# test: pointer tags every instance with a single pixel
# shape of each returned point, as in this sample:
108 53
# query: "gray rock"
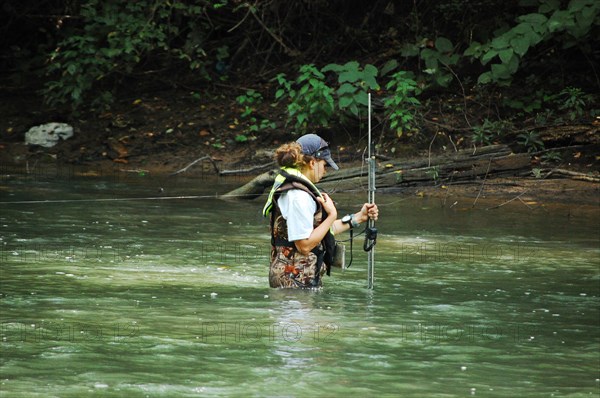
47 135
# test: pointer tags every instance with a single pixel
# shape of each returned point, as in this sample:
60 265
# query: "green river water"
170 298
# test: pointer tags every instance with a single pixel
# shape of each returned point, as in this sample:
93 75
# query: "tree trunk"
254 188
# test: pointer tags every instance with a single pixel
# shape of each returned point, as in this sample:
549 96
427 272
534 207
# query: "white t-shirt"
298 208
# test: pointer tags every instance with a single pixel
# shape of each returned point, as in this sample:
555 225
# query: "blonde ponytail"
290 155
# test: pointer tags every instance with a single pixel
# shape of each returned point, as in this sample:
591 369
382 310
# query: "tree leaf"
520 45
500 72
484 78
500 42
513 64
506 55
388 67
487 57
352 66
548 6
444 79
332 68
431 58
346 88
533 18
362 98
349 76
443 45
371 82
370 70
409 50
473 50
345 101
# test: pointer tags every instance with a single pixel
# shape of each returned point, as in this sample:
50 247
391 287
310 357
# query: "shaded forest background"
147 80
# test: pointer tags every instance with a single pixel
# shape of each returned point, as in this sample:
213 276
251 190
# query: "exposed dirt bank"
162 134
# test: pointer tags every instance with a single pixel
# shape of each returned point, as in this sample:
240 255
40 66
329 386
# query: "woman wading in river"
304 220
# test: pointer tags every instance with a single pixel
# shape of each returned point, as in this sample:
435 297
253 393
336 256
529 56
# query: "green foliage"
355 82
488 131
481 136
399 176
531 141
400 106
263 124
102 43
196 95
241 138
569 27
219 3
111 40
251 99
551 157
311 99
434 173
114 38
438 57
388 67
441 55
544 117
573 100
528 103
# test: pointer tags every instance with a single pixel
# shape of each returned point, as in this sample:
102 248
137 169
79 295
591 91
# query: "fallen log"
467 164
254 188
493 161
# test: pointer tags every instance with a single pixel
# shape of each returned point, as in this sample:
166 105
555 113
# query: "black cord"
351 241
370 241
351 232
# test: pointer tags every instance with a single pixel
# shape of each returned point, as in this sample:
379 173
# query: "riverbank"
490 193
171 135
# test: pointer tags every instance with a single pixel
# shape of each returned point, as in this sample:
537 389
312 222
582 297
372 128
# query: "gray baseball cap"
315 146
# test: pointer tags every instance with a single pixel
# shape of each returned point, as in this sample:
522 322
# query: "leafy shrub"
355 82
530 101
438 57
114 38
250 99
311 99
531 141
573 100
488 131
434 173
241 138
569 26
400 106
551 157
